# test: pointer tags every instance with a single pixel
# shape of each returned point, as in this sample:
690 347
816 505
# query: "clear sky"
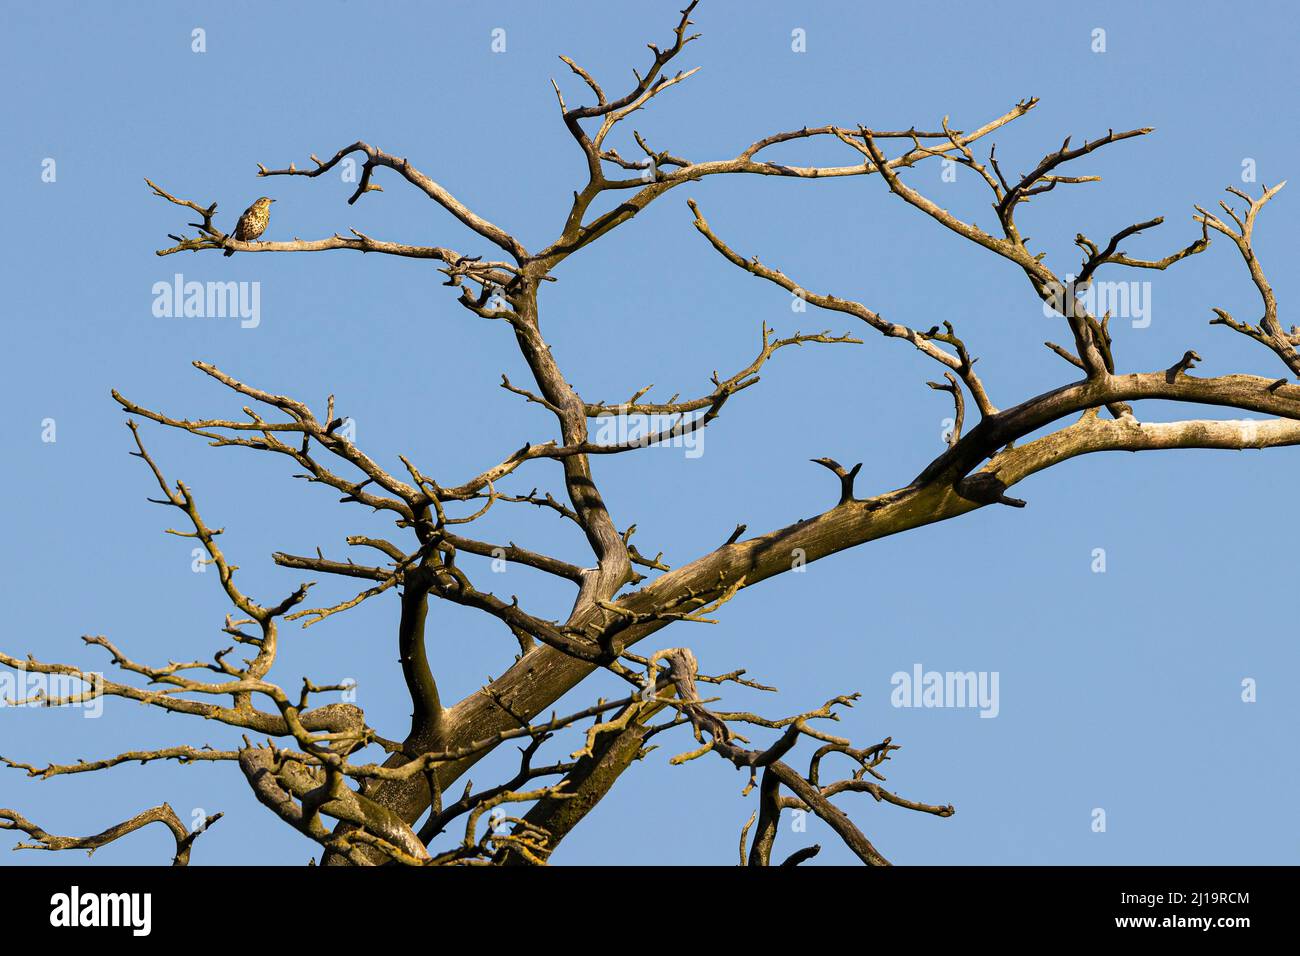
1120 691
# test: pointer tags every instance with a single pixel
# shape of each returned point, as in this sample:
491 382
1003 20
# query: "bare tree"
316 770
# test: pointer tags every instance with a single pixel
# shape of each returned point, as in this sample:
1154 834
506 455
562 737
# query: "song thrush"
252 223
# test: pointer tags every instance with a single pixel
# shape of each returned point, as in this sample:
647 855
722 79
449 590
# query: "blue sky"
1119 691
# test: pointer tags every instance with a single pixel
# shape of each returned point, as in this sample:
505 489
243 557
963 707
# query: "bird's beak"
272 200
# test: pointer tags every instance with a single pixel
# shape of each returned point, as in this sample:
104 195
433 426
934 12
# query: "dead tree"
359 791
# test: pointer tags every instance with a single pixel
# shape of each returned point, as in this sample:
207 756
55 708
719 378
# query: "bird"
252 223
